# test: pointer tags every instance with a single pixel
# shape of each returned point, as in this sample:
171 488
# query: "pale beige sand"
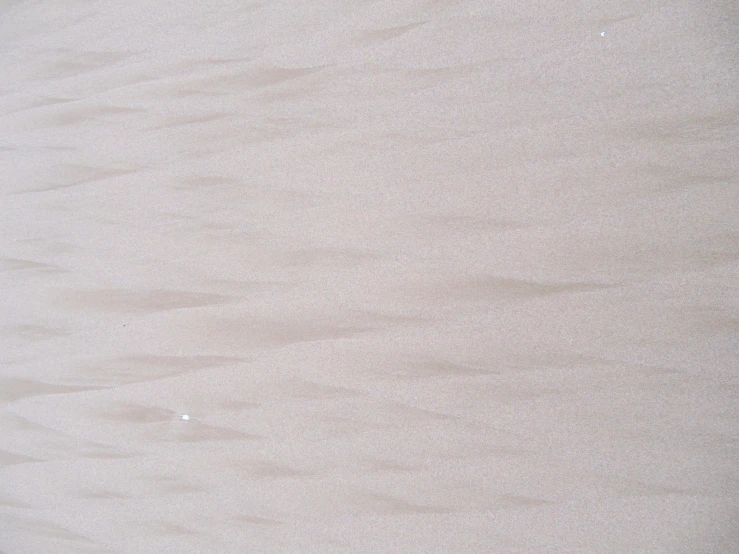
426 277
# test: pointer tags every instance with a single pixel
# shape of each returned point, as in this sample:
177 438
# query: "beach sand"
382 277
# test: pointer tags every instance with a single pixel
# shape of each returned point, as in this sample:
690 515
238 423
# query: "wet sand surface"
369 276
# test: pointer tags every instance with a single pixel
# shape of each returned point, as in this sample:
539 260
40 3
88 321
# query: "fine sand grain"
369 277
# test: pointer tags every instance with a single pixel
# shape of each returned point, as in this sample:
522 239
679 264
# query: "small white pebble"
185 417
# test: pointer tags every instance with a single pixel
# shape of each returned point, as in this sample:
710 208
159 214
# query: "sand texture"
421 276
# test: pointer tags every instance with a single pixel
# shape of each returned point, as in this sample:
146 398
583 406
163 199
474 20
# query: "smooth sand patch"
417 277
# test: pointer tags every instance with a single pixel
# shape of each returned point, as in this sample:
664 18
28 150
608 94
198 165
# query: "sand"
382 277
